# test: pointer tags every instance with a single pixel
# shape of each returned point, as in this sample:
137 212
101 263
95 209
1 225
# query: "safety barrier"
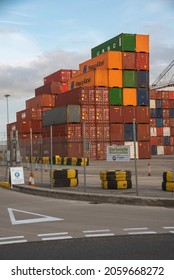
57 160
65 177
168 181
116 179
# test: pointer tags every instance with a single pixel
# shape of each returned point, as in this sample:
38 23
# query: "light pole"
7 96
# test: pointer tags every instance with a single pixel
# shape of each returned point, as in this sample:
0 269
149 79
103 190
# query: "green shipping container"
122 42
115 96
129 78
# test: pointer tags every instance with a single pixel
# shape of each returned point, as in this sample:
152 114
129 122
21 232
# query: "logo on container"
85 69
72 85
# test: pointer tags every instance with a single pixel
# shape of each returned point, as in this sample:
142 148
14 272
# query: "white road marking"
9 240
143 230
43 218
54 236
97 233
168 227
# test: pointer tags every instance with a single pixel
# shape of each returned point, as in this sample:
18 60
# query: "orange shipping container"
129 96
142 43
89 79
107 60
115 78
43 100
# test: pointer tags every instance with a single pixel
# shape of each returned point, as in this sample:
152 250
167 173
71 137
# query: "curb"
96 198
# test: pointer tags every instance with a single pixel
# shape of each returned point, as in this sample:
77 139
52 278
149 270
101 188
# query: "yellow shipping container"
129 96
107 60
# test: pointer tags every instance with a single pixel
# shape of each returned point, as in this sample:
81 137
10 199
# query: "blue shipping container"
167 140
143 79
128 132
154 150
142 97
153 113
158 103
159 122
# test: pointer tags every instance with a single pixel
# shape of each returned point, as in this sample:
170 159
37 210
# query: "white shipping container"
131 144
152 104
160 150
166 131
153 131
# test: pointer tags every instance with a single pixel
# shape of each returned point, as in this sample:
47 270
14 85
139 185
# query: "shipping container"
152 122
62 75
158 103
160 150
159 122
129 78
101 150
129 96
107 60
152 113
121 42
154 150
129 60
143 132
152 103
142 61
165 94
160 140
31 113
171 94
43 100
115 96
144 150
128 132
168 150
116 114
51 88
166 104
142 79
61 115
142 97
166 122
166 114
142 43
115 78
101 95
159 131
102 113
153 140
143 114
102 131
132 150
88 113
153 131
129 114
117 132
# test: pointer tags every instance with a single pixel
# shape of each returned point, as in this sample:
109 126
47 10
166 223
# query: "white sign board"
17 175
118 153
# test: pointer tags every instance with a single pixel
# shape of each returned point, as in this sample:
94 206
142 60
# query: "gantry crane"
165 79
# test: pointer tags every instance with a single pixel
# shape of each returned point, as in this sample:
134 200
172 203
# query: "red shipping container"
168 150
116 114
31 113
102 131
102 113
166 114
153 140
51 88
159 131
44 100
166 104
88 113
164 94
24 126
129 60
166 122
153 122
142 114
92 154
172 130
142 61
90 131
101 148
143 132
171 94
129 114
102 95
116 132
11 127
171 122
172 140
62 75
152 94
36 126
144 150
158 94
160 140
117 143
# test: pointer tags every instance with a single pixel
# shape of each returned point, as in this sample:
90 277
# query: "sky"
39 37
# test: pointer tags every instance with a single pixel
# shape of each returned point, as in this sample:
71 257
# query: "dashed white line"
143 230
97 233
9 240
54 236
172 229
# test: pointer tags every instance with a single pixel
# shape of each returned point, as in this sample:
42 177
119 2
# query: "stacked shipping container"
109 91
162 122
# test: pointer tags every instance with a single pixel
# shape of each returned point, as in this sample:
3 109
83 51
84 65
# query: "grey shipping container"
61 115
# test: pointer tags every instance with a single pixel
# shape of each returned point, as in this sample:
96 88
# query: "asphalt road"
34 227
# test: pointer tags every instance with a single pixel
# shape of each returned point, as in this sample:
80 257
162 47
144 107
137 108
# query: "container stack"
162 122
121 65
